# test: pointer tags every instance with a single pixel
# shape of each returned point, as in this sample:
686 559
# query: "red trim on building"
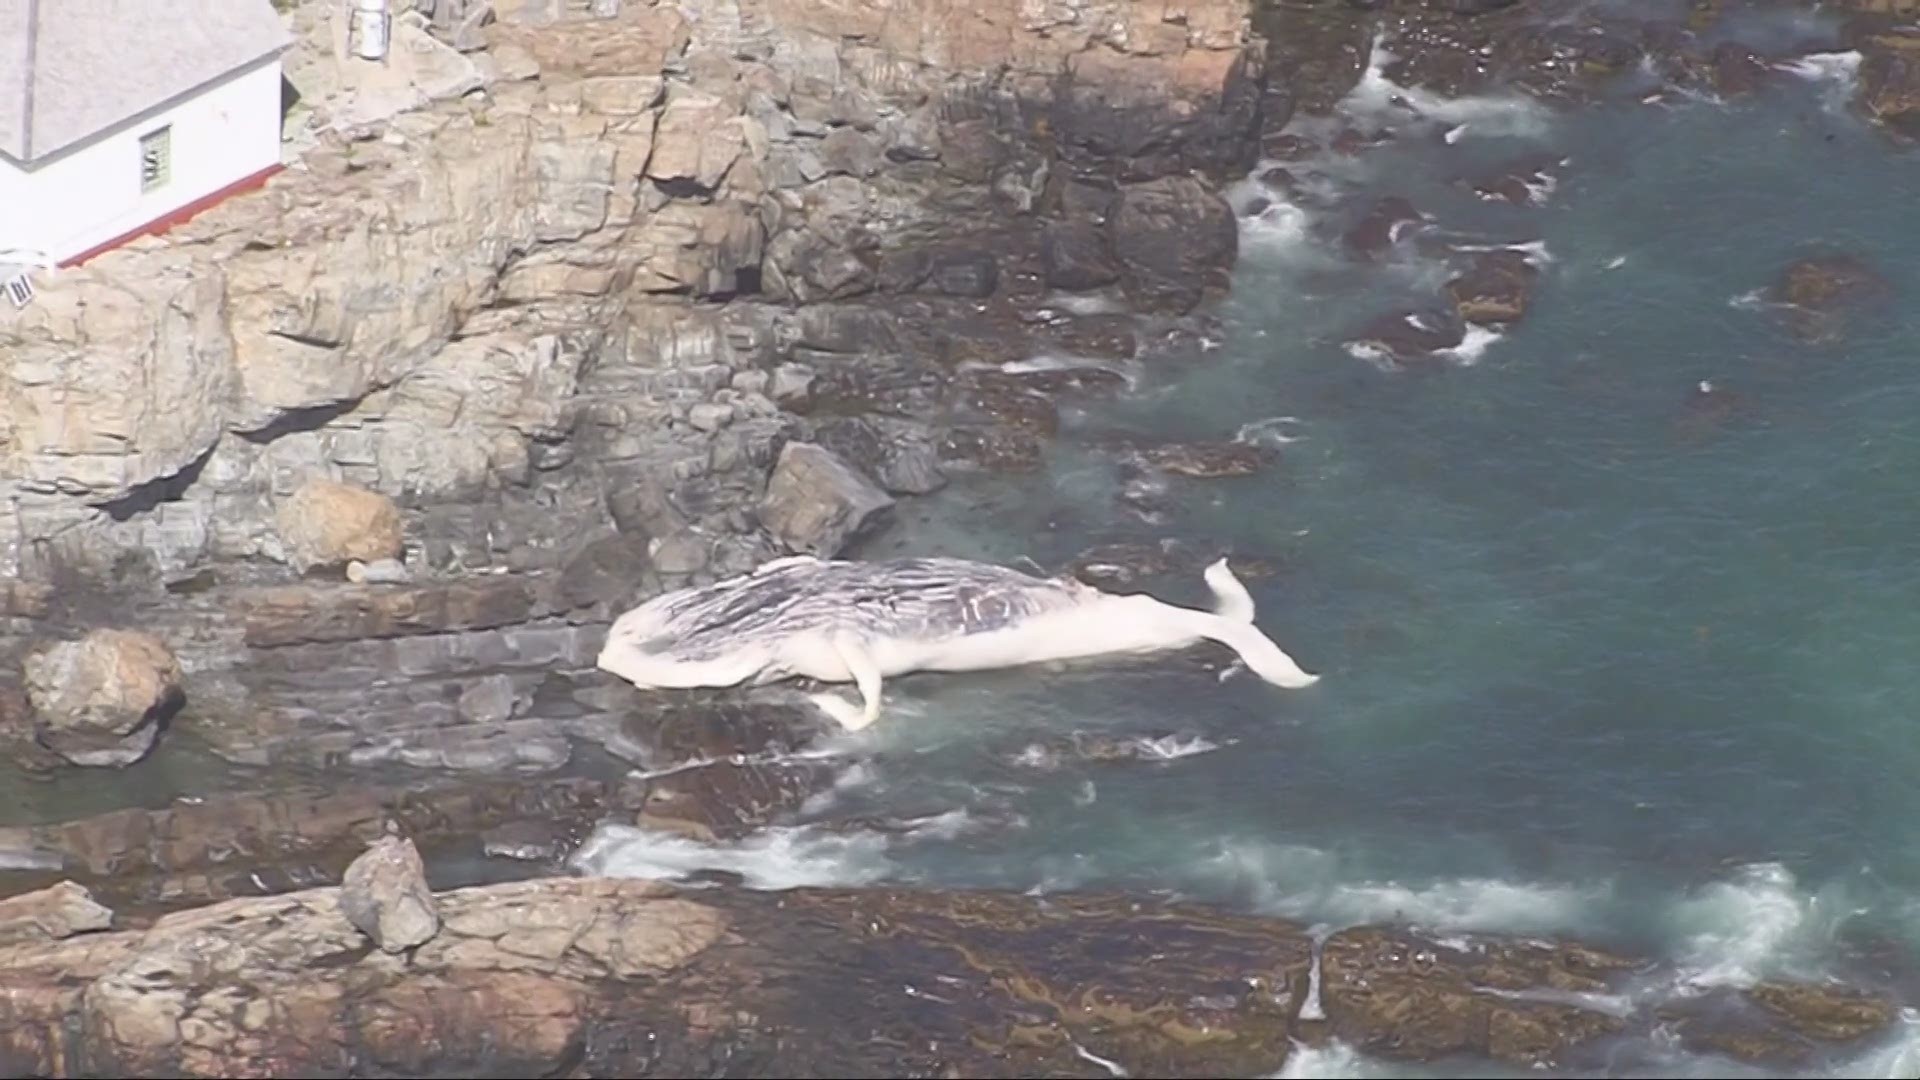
174 217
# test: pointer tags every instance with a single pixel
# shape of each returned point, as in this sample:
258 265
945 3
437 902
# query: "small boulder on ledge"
328 523
385 896
817 504
101 700
51 914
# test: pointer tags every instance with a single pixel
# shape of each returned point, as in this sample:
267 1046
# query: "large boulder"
51 914
1889 85
817 504
326 523
100 700
385 896
1176 239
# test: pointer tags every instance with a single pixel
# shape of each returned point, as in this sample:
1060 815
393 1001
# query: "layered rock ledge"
597 977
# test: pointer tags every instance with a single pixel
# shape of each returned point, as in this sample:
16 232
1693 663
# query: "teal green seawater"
1604 653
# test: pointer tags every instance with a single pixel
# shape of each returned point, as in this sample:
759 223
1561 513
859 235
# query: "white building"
123 117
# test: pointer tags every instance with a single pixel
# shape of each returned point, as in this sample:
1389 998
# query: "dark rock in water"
1113 565
1009 401
1208 460
901 454
1389 221
1177 240
1523 183
1818 293
1889 89
1406 337
817 504
605 977
993 448
1496 290
1286 146
1828 1012
1738 70
1389 990
721 765
1349 141
1280 179
1077 257
1777 1023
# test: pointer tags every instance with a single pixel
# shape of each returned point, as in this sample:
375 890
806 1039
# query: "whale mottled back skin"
860 622
928 599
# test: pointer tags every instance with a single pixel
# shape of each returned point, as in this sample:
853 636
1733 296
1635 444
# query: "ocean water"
1604 654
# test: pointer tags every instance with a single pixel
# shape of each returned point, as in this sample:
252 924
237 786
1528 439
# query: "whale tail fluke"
1258 652
1231 600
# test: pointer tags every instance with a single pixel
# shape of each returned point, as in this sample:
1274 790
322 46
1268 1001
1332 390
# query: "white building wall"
75 202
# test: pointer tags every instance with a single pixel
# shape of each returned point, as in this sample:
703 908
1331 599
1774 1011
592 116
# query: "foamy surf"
1837 72
1474 345
1757 925
773 859
1475 115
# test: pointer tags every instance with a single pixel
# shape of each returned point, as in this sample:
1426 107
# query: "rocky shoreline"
572 977
368 461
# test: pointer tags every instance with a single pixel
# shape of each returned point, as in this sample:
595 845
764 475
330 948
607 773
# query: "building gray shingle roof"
70 69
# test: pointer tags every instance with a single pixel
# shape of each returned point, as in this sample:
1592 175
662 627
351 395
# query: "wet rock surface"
634 978
1819 294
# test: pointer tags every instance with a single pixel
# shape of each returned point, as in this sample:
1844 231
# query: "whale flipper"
866 675
1231 600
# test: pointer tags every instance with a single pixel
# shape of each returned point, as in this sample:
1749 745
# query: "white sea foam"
1735 932
1130 371
1751 300
1478 115
774 858
1838 72
1307 883
1282 230
1333 1061
1086 303
1474 345
1174 747
1269 431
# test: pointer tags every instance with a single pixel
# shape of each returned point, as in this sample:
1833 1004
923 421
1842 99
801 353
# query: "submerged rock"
1889 83
1819 292
1389 221
101 700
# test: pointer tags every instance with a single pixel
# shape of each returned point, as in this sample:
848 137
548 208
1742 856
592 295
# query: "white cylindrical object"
371 27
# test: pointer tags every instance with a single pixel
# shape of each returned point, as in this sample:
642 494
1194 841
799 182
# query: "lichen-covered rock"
1497 289
385 896
100 700
816 504
326 523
